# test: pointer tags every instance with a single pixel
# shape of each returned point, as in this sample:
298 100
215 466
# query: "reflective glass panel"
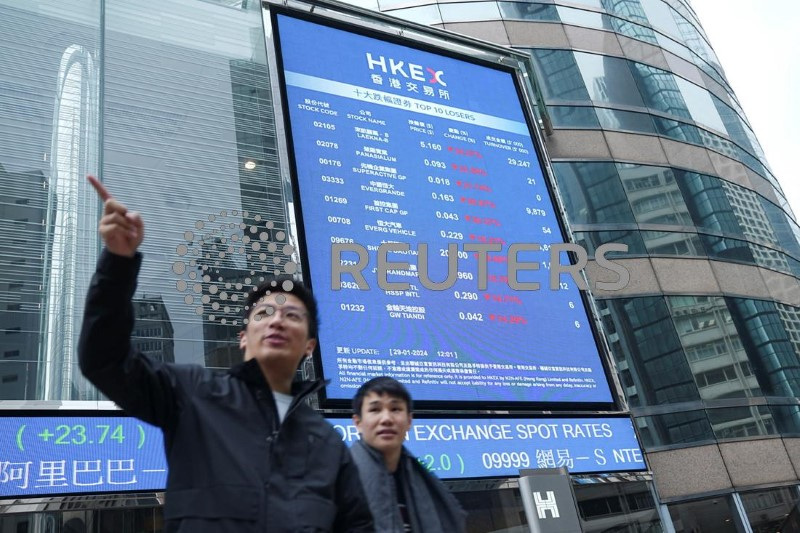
149 518
493 510
654 195
614 119
685 427
592 193
659 90
694 40
712 515
49 124
751 137
739 422
660 16
527 11
677 130
771 258
787 419
719 143
629 9
192 102
768 511
727 249
772 354
650 358
633 30
701 107
790 318
707 200
794 265
710 70
785 231
675 47
618 507
749 211
673 243
715 353
559 75
573 117
590 3
734 126
608 79
591 240
581 17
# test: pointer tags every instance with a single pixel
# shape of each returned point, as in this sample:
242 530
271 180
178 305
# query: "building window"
713 514
772 510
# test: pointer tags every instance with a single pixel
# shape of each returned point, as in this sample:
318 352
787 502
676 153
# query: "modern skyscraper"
650 147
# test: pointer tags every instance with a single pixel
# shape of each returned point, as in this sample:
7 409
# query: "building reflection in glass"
715 353
23 215
72 210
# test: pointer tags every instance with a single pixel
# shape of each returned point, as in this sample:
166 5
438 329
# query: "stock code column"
398 145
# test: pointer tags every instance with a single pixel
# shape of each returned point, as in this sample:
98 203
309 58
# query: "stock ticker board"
43 456
395 144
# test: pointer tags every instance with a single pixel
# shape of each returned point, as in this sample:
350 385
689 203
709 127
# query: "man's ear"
242 340
356 421
310 345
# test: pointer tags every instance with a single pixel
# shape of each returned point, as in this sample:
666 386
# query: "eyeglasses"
290 313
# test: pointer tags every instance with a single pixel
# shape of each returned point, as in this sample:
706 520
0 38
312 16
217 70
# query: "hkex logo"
406 70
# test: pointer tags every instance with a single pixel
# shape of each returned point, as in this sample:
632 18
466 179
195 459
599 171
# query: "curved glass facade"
651 148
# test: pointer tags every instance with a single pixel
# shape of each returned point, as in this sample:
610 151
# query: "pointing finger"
113 206
101 190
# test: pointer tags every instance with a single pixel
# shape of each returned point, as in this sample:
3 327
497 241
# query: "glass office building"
173 104
650 148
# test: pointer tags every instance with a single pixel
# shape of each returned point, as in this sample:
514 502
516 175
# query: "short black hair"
381 385
286 285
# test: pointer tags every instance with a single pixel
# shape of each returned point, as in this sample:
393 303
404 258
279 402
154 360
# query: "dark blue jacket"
232 466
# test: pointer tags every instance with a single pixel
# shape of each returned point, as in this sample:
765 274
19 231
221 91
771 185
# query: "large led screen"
500 447
401 147
41 456
79 454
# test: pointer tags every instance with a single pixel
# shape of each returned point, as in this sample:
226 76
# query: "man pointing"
245 452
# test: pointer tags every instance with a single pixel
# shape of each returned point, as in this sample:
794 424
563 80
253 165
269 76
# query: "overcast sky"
758 44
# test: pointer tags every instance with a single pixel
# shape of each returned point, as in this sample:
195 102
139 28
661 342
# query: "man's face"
384 421
276 334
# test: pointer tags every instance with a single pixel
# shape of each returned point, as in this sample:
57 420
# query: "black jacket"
232 466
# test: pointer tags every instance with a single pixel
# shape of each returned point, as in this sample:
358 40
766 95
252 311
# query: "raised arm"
144 388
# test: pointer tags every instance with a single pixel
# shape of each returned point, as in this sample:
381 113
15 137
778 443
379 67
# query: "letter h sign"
549 501
545 504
